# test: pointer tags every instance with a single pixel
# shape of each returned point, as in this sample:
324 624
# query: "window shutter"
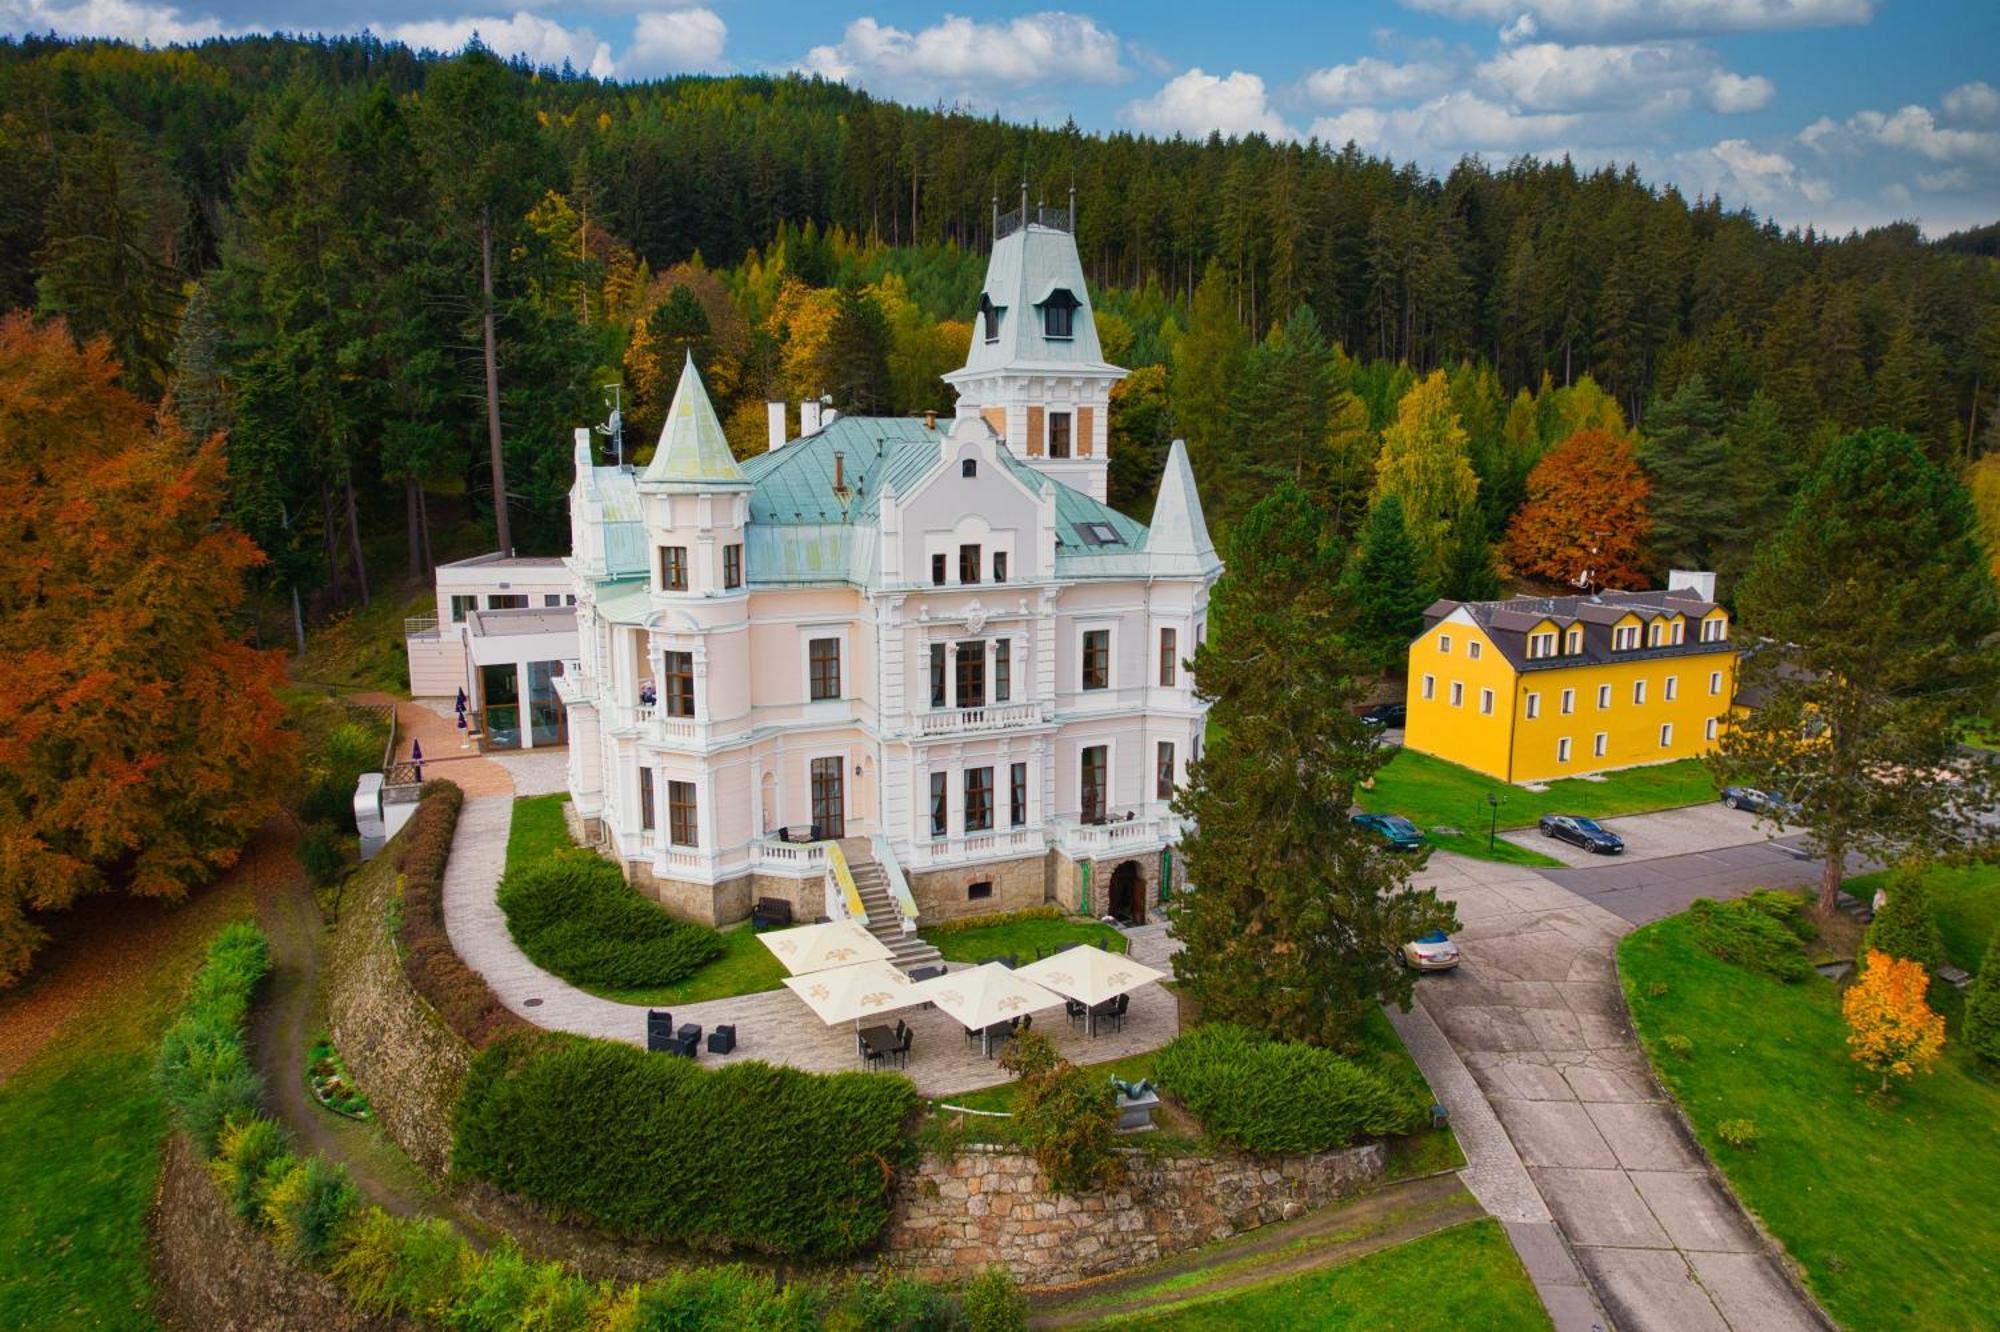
997 418
1085 420
1035 432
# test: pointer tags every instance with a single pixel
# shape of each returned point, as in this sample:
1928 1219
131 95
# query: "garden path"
774 1026
1535 1023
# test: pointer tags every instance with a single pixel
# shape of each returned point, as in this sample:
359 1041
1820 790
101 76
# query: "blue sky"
1839 113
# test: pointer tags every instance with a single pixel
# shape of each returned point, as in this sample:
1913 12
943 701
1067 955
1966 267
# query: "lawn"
1964 898
538 830
1431 792
1464 1277
1021 936
1891 1205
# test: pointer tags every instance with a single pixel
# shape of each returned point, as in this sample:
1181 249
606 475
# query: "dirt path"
1381 1219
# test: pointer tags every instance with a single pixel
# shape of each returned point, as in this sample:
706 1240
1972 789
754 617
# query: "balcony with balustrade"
1126 833
972 721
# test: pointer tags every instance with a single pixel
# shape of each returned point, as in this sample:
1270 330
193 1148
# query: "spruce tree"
1469 572
856 363
1298 913
1981 1030
1684 453
1906 927
1872 611
1388 588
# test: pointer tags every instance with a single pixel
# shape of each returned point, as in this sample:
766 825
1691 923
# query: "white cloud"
542 41
1734 94
1953 180
1977 103
1444 128
1196 102
1912 129
1369 80
1743 173
1522 29
960 54
1640 17
675 41
158 24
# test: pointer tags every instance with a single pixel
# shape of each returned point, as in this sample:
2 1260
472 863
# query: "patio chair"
869 1058
903 1043
723 1039
659 1029
1011 961
1064 948
972 1035
1076 1009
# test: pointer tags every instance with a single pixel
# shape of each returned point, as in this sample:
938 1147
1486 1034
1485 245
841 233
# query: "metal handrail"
899 887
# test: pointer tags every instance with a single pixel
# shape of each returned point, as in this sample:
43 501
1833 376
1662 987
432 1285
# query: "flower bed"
332 1085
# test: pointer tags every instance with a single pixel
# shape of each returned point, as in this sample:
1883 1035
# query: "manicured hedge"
204 1063
459 994
1764 932
749 1155
1279 1096
573 913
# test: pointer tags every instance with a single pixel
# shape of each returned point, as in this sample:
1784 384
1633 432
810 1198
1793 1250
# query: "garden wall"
212 1273
398 1048
991 1206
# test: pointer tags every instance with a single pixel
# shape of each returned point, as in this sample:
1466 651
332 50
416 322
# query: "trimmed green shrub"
1745 933
1981 1029
557 1302
1680 1047
413 1267
879 1301
574 915
1906 927
505 1291
1065 1117
645 1144
993 1302
307 1206
1738 1133
460 995
1279 1096
1787 908
722 1298
204 1066
246 1151
961 924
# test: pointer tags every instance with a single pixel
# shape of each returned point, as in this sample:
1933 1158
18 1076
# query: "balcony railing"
1003 844
420 626
957 721
779 856
1112 836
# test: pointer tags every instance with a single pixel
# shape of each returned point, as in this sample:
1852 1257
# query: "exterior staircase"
885 920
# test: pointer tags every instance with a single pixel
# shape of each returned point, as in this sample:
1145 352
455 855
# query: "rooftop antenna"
616 426
1072 201
996 216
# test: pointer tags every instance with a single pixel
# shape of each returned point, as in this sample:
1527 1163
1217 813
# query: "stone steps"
885 919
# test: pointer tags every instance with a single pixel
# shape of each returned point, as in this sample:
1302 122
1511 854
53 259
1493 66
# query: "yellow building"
1538 688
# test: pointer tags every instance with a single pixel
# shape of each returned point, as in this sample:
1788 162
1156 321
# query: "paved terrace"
775 1026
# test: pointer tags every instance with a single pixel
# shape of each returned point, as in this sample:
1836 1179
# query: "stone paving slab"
1697 1215
1554 1133
1600 1208
1654 1290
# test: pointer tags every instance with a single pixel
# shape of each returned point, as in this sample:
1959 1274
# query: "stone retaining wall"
992 1206
212 1273
400 1051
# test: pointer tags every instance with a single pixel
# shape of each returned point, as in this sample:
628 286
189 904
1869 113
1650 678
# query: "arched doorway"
1128 893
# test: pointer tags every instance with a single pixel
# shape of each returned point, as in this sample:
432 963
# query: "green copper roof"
624 600
693 450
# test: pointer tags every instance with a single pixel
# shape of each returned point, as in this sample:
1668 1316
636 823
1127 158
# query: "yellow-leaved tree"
1891 1029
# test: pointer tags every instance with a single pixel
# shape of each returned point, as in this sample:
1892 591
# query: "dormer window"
1714 630
1574 640
1099 534
1625 637
989 317
1542 644
1059 315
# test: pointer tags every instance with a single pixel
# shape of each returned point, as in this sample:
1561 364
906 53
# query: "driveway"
1669 832
1536 1016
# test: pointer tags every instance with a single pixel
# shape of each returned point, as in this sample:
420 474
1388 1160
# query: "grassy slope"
1430 791
745 967
80 1131
1465 1277
1966 901
1022 937
1891 1206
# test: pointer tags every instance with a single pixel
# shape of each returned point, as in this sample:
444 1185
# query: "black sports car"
1586 833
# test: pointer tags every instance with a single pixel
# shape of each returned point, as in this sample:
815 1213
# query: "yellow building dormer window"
1715 629
1542 644
1574 643
1625 638
1680 631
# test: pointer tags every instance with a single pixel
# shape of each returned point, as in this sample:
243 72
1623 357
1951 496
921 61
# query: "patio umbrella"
809 948
1090 975
461 701
848 994
982 996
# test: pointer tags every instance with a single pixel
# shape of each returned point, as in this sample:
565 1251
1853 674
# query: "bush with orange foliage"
1891 1028
141 740
1585 514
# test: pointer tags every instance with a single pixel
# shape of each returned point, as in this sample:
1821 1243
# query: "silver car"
1431 951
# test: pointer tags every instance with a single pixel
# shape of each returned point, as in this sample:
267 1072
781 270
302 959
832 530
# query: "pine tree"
1470 573
1906 927
1690 464
856 364
1874 607
1981 1030
1298 915
1206 361
1388 587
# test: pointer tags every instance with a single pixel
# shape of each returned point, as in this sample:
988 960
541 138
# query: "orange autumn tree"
140 738
1585 514
1891 1029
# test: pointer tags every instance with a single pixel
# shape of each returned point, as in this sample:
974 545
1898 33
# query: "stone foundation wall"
1017 886
212 1273
717 904
399 1049
1066 880
992 1205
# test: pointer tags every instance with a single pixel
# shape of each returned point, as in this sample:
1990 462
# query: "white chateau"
928 642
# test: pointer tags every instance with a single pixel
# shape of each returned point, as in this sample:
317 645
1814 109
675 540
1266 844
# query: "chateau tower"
1035 370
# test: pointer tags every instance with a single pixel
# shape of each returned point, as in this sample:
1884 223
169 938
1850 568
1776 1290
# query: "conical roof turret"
693 449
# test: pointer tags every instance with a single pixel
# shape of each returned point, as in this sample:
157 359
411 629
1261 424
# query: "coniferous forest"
392 276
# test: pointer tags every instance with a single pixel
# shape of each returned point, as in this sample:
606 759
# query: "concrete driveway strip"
1535 1018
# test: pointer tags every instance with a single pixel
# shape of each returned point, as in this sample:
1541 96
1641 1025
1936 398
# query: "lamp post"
1493 820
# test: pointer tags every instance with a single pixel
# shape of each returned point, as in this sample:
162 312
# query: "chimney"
774 414
930 420
840 475
1701 583
809 417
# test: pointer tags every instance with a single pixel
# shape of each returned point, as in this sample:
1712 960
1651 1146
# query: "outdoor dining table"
878 1042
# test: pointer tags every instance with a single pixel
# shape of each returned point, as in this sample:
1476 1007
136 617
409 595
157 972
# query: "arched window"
1059 314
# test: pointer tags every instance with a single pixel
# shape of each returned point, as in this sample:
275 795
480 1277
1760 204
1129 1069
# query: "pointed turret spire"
1177 542
693 450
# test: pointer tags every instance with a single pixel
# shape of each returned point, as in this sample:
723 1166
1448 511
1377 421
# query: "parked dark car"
1389 716
1770 803
1395 830
1589 834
